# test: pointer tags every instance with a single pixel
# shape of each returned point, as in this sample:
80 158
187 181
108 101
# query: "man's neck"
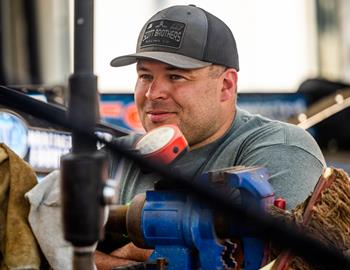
221 133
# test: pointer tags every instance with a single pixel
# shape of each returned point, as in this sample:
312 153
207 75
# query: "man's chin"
150 126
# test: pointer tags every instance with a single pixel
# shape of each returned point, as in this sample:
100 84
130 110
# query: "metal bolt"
109 195
161 263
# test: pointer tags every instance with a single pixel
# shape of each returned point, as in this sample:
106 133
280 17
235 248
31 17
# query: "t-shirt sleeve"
292 157
293 171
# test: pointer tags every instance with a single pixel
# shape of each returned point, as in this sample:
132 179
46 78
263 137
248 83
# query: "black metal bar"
82 170
83 102
54 114
29 12
83 36
20 101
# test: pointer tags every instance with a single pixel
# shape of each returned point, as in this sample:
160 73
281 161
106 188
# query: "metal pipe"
83 99
84 169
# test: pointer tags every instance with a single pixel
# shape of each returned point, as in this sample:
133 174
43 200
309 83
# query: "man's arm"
132 252
104 261
293 171
121 256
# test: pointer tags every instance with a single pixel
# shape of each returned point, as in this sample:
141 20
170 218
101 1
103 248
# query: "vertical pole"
83 103
82 171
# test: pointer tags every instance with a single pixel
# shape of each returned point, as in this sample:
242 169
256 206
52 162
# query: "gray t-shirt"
290 154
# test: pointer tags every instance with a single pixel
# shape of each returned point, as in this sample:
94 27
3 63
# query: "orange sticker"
111 109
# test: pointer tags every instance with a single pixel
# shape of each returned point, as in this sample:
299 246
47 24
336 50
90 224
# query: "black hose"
54 114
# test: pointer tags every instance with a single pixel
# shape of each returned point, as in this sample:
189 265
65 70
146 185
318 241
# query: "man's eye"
147 77
175 77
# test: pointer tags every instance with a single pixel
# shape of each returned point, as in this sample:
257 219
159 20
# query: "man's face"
190 99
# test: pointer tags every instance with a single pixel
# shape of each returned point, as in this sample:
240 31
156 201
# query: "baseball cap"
186 37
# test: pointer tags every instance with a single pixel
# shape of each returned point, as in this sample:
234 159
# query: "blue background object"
14 133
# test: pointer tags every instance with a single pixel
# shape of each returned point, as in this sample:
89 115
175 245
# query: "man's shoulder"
247 123
258 132
258 127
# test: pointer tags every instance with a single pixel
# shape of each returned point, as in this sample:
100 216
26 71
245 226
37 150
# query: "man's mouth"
157 117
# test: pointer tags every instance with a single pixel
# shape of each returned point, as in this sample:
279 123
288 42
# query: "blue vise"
184 230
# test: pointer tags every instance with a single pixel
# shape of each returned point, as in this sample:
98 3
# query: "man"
187 64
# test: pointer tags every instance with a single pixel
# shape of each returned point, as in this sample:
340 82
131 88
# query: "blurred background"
294 60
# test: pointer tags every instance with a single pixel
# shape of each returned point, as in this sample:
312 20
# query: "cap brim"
173 59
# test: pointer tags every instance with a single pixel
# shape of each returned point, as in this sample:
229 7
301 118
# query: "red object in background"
163 144
280 203
111 109
131 117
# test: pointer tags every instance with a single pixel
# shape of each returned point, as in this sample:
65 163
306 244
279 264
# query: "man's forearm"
106 262
132 252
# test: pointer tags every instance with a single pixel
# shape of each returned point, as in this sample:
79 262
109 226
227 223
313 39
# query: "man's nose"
158 89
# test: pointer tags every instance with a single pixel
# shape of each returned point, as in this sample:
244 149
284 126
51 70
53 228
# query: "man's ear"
229 84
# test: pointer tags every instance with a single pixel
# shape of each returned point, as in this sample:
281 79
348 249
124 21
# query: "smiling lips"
157 117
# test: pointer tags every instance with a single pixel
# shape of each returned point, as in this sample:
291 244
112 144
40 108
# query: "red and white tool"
163 144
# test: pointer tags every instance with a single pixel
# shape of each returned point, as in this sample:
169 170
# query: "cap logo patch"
164 33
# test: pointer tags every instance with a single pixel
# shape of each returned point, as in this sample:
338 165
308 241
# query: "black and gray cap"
187 37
